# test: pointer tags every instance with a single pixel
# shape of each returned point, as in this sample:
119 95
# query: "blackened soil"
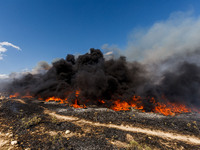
34 129
188 123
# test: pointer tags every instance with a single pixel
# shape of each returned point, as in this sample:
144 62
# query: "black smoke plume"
112 79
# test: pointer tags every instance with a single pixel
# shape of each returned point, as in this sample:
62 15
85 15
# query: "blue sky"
49 29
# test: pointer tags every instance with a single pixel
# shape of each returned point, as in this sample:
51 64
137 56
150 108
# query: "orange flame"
120 105
136 102
56 99
171 108
102 101
75 105
15 95
27 95
77 93
166 108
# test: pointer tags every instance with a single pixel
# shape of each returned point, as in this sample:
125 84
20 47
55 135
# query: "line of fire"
112 83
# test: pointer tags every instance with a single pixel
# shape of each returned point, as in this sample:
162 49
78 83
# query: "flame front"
166 108
120 105
14 95
171 108
56 99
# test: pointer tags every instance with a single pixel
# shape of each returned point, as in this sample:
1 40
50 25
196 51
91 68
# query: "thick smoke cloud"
94 76
182 85
97 78
163 63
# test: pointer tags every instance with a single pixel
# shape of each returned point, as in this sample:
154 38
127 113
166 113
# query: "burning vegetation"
115 83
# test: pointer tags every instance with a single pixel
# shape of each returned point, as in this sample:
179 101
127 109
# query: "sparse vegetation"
147 147
134 145
57 139
31 121
54 120
189 124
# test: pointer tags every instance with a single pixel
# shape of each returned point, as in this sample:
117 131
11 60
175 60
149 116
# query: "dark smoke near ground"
113 79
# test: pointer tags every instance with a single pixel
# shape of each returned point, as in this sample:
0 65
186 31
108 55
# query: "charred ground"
30 122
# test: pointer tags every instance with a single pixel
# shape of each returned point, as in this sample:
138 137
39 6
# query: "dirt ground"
33 124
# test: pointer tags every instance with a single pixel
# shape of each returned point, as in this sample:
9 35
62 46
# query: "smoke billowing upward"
164 39
162 62
97 78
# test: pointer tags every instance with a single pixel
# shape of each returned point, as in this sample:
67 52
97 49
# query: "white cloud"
3 49
4 76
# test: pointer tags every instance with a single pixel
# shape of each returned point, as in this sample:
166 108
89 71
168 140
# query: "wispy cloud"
3 76
3 49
